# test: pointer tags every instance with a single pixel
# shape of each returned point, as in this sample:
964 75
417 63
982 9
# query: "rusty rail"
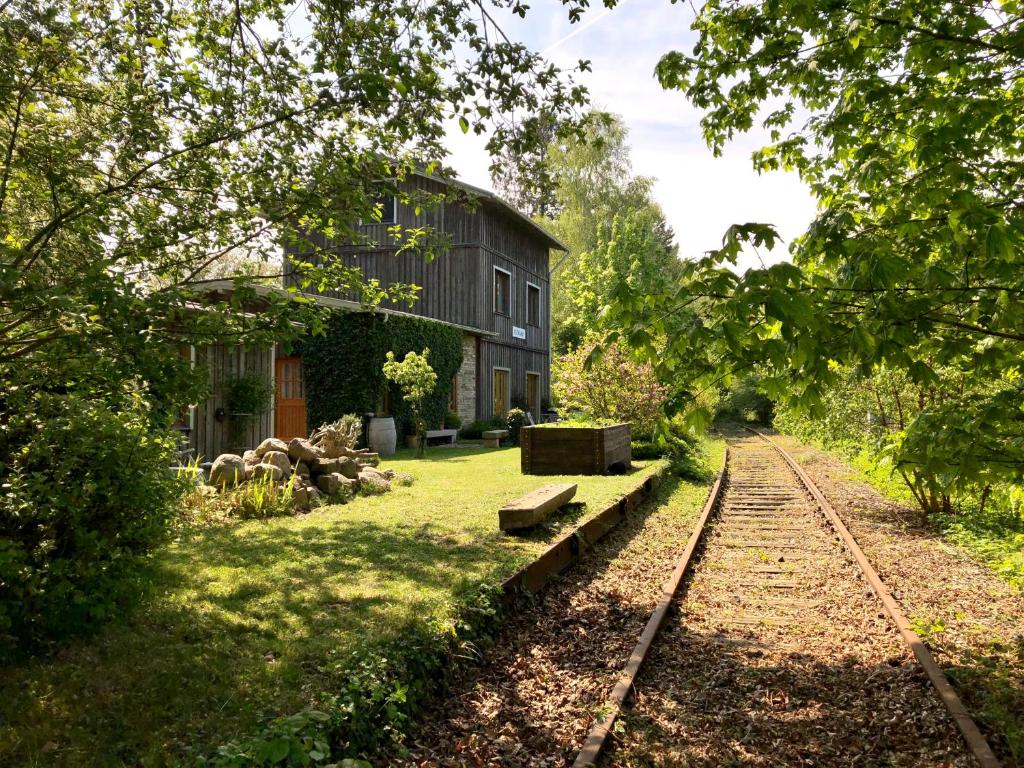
976 742
598 735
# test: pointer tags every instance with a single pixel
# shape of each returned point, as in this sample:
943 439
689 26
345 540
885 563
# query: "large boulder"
343 465
271 444
279 460
302 469
368 476
304 496
266 471
335 484
250 458
228 470
300 449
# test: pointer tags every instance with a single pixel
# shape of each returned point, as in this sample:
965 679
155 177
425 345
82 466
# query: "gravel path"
552 666
780 654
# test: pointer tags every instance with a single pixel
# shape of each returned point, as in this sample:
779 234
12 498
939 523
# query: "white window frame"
540 303
511 292
508 392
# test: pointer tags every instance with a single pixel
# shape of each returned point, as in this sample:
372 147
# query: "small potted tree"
417 380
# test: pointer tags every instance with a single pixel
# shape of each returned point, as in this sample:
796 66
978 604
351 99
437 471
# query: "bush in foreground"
86 496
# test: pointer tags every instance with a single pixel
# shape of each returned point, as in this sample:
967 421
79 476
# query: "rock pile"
315 469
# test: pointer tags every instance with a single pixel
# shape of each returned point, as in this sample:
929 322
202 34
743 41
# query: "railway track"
772 643
779 655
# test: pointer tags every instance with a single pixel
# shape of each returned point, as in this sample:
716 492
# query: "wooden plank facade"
488 242
212 429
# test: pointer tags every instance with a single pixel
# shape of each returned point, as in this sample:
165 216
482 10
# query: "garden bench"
535 506
493 437
448 435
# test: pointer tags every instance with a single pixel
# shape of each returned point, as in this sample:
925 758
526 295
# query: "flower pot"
381 435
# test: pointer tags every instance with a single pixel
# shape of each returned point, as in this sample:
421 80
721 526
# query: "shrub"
743 402
608 384
515 420
87 494
343 369
475 429
417 380
452 420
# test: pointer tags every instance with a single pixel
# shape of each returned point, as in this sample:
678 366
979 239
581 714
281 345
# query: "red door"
290 399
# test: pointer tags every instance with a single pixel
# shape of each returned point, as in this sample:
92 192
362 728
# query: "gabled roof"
490 198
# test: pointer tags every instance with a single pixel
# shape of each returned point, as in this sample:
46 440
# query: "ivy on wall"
343 368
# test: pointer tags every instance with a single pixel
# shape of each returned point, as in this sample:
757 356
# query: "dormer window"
502 292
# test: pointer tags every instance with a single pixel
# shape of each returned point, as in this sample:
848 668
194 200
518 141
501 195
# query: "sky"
701 194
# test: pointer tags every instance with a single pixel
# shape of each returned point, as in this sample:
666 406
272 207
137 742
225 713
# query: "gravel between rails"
780 654
535 694
980 615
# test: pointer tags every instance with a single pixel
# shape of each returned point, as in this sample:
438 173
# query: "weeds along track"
776 647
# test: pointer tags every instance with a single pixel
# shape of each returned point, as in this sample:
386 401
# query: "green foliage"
343 369
901 117
414 376
515 420
87 496
250 395
150 146
743 401
385 685
475 429
618 240
452 420
606 383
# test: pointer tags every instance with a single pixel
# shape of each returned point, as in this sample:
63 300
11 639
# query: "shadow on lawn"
213 653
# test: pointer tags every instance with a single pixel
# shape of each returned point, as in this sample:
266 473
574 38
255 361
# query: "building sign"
518 333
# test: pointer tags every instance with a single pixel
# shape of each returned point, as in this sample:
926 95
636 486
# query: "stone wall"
466 380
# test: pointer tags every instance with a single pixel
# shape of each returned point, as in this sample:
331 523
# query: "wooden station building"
492 282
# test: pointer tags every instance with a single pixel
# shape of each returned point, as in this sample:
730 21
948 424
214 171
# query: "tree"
147 145
417 380
605 383
905 121
629 263
616 235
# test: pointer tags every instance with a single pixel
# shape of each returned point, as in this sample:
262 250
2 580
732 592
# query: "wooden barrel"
381 435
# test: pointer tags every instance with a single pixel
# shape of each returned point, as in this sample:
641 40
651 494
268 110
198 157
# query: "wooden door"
500 392
533 395
290 399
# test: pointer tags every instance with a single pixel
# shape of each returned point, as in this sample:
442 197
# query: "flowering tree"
416 379
610 386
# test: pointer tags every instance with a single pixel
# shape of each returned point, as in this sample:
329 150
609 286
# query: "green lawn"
250 620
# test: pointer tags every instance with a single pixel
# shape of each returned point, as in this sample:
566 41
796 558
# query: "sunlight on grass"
249 620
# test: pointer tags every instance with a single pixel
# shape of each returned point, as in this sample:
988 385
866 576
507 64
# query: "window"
499 392
502 291
453 400
532 304
388 207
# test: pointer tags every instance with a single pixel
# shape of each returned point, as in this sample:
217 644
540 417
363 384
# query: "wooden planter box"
575 450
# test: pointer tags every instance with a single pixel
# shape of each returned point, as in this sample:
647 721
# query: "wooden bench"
493 437
448 435
535 506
